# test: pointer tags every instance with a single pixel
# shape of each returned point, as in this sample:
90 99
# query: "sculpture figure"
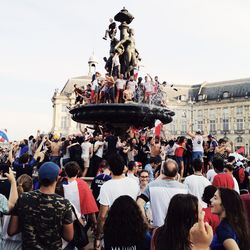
130 56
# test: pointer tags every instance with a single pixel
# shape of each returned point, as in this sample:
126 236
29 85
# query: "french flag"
80 195
158 126
3 136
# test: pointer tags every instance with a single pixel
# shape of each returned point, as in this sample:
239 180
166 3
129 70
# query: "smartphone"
4 168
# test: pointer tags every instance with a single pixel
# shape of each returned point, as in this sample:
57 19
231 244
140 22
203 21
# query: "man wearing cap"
42 216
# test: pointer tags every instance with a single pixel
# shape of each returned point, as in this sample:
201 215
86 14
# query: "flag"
3 136
241 150
158 126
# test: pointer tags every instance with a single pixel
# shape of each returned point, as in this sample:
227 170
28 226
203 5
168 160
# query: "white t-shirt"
210 175
99 145
71 193
94 85
86 146
236 185
148 86
120 83
115 188
132 85
197 143
131 175
196 185
115 60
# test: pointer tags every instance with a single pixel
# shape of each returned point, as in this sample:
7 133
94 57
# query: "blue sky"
43 43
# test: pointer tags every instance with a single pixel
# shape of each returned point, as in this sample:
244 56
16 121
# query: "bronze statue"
125 48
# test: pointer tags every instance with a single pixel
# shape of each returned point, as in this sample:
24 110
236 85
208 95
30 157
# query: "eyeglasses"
144 176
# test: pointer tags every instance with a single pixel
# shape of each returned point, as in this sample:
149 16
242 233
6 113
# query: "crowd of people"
118 89
146 193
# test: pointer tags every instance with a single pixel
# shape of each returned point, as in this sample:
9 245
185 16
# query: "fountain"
123 115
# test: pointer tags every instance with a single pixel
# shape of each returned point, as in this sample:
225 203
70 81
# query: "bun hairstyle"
24 184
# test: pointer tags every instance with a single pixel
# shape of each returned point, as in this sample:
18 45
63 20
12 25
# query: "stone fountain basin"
121 115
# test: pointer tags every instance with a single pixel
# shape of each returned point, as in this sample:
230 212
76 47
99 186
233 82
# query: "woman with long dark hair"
124 227
232 232
181 216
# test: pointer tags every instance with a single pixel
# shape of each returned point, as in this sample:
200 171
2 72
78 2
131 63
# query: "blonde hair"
24 184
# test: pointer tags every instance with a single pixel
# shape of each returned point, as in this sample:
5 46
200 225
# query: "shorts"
86 162
197 155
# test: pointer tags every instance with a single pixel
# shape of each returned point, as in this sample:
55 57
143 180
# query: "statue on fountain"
124 49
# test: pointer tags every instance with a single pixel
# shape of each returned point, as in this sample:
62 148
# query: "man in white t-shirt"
196 182
112 189
87 153
132 84
98 154
161 191
148 89
120 85
197 140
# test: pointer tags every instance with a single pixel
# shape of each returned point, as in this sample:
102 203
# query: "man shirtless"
55 151
128 94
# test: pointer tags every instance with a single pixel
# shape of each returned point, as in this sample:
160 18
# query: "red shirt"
179 151
212 219
246 202
222 180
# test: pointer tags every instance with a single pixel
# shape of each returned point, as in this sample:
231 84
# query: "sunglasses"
144 176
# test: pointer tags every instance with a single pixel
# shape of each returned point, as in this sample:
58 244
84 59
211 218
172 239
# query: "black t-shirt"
111 140
96 184
75 152
41 219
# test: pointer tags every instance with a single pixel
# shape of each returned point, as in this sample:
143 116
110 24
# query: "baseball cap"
49 171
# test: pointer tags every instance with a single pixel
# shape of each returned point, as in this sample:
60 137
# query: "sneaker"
105 38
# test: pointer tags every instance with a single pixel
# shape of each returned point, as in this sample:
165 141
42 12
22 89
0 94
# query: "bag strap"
74 211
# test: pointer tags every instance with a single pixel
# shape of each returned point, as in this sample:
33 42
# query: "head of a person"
171 143
121 76
124 226
198 132
222 142
228 205
181 140
231 159
218 164
157 161
182 214
197 165
24 158
228 168
116 164
144 176
24 184
208 194
48 174
132 166
170 168
157 139
72 169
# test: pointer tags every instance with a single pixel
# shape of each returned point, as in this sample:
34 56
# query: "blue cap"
49 171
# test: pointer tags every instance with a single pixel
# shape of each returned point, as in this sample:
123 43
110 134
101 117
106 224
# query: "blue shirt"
150 170
223 232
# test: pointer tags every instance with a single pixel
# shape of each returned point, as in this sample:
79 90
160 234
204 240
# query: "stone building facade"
218 108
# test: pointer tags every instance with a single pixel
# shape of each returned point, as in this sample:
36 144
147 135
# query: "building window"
225 113
172 128
183 126
199 114
239 124
212 114
225 123
225 94
212 126
64 122
239 111
239 140
200 125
